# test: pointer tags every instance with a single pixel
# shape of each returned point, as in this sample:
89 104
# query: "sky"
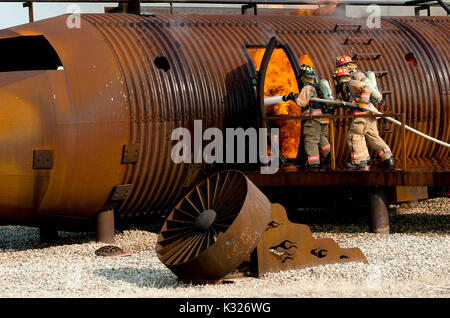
12 14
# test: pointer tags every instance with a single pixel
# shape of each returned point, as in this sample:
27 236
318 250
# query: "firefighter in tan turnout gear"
363 129
351 66
315 131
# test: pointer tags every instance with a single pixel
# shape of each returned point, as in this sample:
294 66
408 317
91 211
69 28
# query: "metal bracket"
381 73
417 10
29 5
373 56
366 41
358 26
121 192
130 153
249 6
42 159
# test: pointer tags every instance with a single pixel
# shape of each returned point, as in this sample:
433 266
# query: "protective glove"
381 104
291 97
328 109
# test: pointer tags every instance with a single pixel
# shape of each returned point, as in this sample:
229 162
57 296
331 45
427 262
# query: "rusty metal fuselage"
94 132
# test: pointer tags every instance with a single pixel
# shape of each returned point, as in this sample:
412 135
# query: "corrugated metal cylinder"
130 80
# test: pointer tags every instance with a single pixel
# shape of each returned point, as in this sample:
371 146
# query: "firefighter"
363 129
351 66
315 131
376 98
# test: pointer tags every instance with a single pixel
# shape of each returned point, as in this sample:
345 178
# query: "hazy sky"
12 14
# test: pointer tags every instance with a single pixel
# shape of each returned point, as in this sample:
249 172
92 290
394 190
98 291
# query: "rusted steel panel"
390 178
145 76
405 193
433 36
205 249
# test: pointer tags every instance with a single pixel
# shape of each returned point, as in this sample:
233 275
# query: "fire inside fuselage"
280 80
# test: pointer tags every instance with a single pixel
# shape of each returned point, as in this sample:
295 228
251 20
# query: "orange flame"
321 8
305 59
280 80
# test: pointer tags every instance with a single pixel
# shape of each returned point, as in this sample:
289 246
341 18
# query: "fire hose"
277 99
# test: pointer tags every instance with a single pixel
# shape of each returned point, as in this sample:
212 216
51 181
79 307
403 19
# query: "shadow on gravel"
20 238
419 223
142 277
322 220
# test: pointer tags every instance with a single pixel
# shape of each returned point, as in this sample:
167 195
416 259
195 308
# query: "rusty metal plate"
121 192
42 159
287 245
130 153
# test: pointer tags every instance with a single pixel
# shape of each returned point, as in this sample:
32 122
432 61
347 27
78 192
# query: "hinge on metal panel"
121 192
42 159
130 153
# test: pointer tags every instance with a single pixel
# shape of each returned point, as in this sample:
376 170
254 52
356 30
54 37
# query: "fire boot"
360 165
327 160
387 163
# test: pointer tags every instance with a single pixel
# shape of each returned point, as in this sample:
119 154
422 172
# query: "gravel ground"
413 261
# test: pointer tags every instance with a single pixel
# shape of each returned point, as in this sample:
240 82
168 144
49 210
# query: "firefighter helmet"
341 71
307 71
343 60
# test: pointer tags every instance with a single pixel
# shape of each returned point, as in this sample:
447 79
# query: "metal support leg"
105 226
379 216
29 5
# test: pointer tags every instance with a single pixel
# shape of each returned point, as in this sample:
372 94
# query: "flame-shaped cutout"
283 250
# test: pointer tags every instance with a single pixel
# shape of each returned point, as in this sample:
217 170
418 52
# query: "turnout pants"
315 140
363 132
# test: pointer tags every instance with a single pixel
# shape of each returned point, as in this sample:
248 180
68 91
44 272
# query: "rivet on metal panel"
121 192
42 159
130 153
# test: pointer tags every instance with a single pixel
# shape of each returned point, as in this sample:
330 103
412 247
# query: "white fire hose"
277 99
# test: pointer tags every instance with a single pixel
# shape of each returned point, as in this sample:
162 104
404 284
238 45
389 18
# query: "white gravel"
411 262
